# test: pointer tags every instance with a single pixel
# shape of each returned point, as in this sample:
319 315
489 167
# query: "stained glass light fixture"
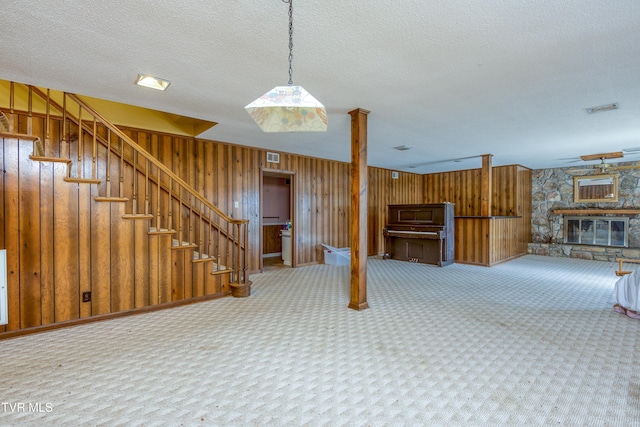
288 108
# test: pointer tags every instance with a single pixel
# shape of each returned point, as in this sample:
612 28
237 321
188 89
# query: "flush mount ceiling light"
600 108
288 108
152 82
403 147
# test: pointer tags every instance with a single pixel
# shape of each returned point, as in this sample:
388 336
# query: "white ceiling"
454 78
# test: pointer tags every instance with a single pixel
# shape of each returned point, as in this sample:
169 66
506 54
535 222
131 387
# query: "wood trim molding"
595 211
108 316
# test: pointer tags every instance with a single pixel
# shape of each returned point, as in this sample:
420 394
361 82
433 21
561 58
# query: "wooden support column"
487 186
358 209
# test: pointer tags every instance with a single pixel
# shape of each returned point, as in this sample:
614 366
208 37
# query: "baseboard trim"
108 316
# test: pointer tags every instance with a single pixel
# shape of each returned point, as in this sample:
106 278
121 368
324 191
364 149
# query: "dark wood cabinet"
271 239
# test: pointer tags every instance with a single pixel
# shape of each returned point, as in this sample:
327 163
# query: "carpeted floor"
533 341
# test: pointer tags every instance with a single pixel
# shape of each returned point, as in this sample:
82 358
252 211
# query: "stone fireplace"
584 237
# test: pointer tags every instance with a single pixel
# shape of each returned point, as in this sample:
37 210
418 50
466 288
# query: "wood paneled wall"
61 242
225 173
463 188
383 191
72 244
486 240
472 240
505 239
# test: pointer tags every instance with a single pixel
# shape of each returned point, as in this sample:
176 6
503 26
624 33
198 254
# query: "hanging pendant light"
288 108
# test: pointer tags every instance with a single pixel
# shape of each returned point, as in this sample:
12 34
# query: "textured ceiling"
454 78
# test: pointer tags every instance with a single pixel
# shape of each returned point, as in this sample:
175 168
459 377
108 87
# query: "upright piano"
420 233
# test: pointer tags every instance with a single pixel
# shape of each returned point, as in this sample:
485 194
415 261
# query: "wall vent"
4 315
394 175
273 157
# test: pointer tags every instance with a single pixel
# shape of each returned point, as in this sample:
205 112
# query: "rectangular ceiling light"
152 82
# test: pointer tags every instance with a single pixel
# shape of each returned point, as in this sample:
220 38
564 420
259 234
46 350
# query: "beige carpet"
530 342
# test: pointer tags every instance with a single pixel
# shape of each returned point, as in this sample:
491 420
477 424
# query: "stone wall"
553 189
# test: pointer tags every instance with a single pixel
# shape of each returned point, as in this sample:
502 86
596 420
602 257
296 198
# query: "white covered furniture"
627 294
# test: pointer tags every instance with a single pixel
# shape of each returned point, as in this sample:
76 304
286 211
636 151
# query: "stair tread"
110 199
49 159
154 230
191 246
137 216
82 180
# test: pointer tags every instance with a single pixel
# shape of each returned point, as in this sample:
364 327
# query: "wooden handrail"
198 212
106 143
235 236
154 161
137 147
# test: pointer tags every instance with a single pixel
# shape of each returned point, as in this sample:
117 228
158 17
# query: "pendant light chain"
288 108
290 40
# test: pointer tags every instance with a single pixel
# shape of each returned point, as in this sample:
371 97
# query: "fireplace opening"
597 231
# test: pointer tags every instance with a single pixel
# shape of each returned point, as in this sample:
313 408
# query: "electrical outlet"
86 297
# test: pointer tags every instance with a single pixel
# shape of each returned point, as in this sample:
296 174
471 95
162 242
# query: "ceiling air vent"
403 147
273 157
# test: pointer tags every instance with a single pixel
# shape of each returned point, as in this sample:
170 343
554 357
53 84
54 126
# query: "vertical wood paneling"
480 240
100 257
226 173
198 278
505 241
66 242
12 241
214 283
164 268
188 274
154 269
29 237
383 191
84 243
464 187
177 274
141 263
46 243
122 260
221 181
472 240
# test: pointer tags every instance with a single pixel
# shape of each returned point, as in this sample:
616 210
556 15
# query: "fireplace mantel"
596 211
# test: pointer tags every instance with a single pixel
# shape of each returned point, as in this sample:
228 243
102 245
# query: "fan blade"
618 168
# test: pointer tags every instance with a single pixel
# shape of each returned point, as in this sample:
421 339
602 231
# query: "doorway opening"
277 219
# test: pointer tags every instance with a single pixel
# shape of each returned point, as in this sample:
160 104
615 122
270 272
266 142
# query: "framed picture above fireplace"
595 188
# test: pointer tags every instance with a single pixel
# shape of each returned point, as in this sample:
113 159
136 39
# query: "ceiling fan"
603 166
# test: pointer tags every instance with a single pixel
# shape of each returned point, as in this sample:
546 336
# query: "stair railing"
149 188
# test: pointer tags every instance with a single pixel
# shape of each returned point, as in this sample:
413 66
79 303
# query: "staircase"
114 229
